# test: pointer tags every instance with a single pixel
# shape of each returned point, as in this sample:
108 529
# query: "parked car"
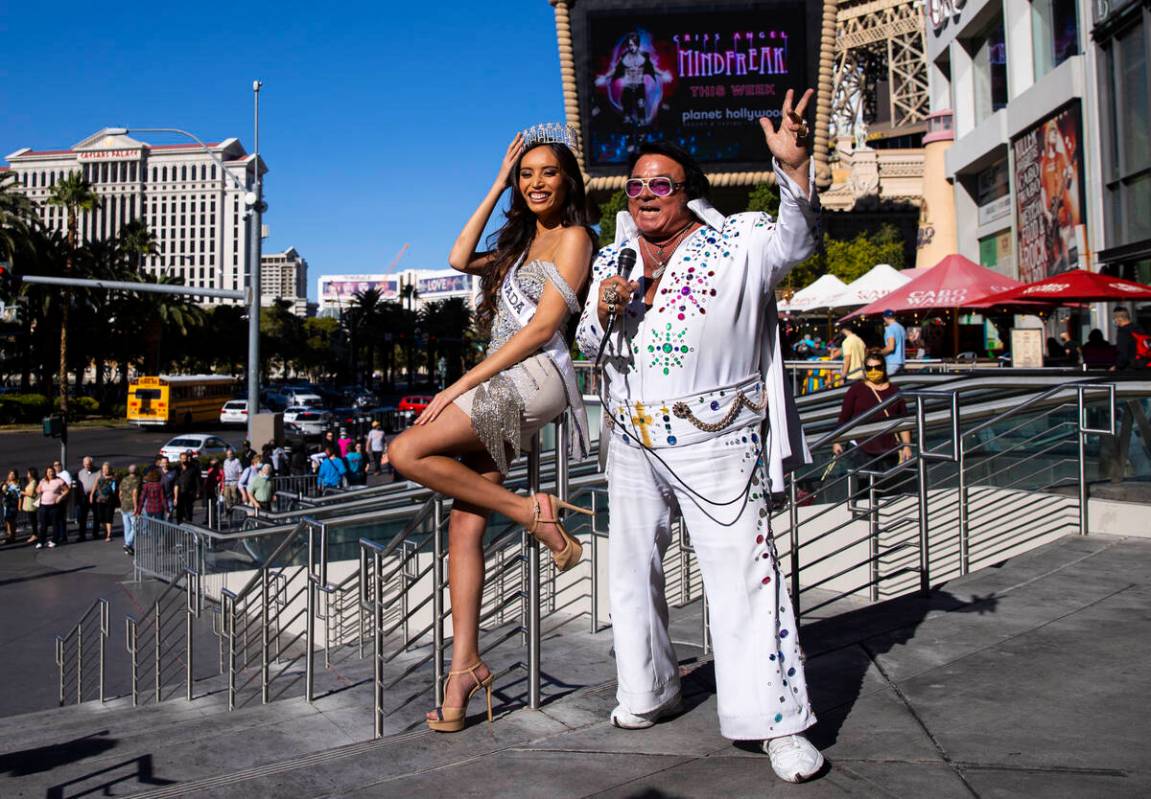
236 412
293 411
313 421
274 399
203 445
302 395
349 417
414 403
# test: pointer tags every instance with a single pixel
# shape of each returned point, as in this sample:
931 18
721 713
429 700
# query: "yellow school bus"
178 399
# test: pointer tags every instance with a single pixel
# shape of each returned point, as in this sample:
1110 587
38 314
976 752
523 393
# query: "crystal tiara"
552 133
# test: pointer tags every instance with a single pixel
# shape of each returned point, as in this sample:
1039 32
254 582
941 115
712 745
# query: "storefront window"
993 193
1054 33
1129 157
990 62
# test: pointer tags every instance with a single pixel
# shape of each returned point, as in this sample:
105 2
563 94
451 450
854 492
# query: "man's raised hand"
788 143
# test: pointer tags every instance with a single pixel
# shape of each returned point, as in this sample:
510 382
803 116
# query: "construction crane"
399 257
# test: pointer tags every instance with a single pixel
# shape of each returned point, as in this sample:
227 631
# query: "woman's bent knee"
403 452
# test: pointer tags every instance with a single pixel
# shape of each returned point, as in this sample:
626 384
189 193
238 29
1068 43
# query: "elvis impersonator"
701 420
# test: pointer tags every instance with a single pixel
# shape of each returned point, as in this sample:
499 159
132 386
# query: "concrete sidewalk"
1026 679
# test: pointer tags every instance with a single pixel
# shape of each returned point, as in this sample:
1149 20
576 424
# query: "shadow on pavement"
844 649
45 574
46 758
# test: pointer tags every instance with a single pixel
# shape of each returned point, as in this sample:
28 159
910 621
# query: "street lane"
121 445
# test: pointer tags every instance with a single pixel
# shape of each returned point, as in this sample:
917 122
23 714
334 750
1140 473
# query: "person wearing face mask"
463 442
702 421
878 453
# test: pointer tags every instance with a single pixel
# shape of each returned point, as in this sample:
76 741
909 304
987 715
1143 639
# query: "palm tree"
17 218
74 194
363 319
445 324
153 313
137 242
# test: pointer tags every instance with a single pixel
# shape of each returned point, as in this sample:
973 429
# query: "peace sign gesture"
789 143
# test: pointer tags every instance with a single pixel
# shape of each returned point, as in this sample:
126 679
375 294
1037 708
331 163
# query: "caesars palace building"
196 212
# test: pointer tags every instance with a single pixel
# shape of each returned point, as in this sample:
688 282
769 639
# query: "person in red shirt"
881 452
153 500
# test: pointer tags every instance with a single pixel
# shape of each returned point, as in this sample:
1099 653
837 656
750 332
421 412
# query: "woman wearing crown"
462 443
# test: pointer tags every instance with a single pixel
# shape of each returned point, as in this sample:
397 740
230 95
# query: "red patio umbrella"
953 283
1077 285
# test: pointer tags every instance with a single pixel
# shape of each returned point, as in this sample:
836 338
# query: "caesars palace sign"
106 155
940 11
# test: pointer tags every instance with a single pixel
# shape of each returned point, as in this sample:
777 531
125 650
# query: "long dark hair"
514 239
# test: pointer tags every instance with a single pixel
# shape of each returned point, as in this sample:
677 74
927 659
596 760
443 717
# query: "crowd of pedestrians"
41 505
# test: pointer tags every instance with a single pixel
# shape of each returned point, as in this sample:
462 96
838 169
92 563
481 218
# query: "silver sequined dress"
511 406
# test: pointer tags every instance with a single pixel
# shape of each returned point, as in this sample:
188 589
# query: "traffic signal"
9 280
54 426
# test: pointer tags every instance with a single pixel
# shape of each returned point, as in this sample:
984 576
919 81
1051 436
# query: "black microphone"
623 267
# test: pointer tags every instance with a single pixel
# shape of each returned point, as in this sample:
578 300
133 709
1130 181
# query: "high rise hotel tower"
195 211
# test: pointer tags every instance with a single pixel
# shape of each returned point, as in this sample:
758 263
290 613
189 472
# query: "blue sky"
381 123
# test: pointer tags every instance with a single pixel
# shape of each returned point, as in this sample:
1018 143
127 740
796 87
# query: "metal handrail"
100 608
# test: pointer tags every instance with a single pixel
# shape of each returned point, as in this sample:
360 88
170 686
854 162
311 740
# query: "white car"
302 396
202 445
234 412
292 411
312 421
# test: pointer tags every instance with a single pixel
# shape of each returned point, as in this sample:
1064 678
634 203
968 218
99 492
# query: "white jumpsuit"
706 353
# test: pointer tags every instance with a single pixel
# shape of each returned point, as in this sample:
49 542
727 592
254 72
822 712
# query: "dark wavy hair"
695 181
514 239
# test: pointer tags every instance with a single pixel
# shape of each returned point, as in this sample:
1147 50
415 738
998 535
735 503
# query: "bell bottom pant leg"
760 683
639 532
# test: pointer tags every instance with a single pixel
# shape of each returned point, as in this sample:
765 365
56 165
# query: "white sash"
523 309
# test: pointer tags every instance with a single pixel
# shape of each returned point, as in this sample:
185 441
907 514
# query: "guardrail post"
594 564
924 532
103 642
132 640
534 585
60 665
964 516
228 607
1084 430
265 629
438 586
190 613
312 587
873 537
158 652
378 657
79 662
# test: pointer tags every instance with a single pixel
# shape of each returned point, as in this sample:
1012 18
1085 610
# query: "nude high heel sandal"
570 555
451 719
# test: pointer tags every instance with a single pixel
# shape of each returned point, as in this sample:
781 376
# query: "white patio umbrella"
816 296
879 281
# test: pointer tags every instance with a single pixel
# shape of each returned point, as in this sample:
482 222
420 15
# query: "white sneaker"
39 545
51 545
625 720
793 758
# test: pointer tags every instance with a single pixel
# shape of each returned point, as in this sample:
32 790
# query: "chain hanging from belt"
683 411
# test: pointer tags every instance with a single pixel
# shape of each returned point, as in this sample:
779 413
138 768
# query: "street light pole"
254 273
255 207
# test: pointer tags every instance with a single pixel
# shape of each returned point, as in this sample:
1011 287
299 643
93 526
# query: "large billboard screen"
1049 197
698 75
342 288
445 284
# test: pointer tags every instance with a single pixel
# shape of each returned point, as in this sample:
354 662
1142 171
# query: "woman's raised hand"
515 150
